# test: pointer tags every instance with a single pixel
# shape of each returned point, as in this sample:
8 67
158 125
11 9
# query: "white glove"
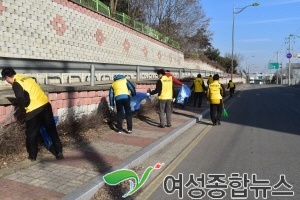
174 99
148 94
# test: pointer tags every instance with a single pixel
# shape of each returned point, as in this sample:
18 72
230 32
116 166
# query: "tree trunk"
113 8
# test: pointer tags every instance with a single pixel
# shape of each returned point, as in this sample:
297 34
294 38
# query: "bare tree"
135 9
182 20
113 7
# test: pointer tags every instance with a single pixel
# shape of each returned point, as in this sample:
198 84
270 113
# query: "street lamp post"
234 12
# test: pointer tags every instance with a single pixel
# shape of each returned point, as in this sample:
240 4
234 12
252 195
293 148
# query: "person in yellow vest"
164 89
209 80
198 87
215 93
120 91
231 87
36 109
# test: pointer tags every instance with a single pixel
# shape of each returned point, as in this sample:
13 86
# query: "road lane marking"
148 191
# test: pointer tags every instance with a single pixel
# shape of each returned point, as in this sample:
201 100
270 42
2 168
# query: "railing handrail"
25 65
150 31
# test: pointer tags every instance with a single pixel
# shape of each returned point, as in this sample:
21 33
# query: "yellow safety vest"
198 85
167 88
231 84
210 80
215 92
120 87
37 96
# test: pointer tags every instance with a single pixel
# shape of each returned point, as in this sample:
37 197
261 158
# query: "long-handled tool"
3 123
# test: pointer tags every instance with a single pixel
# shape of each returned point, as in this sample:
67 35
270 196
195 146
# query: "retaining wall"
72 103
63 30
76 101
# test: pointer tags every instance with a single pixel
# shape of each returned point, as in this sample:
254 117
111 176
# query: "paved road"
259 138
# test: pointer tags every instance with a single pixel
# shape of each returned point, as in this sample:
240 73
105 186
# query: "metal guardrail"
91 68
95 5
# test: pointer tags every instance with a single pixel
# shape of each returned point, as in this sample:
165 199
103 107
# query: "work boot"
59 156
31 159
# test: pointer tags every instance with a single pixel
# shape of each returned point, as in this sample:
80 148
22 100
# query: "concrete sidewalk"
79 175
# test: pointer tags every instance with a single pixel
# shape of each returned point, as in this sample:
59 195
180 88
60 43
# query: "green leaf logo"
121 175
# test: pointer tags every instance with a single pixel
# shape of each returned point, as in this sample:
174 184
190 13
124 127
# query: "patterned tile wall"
62 30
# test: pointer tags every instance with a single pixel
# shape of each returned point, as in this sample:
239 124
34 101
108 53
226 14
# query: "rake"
3 123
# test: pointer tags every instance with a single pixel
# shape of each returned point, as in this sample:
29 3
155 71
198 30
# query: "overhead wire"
283 49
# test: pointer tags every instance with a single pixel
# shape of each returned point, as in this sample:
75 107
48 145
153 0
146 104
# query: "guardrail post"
70 79
62 78
92 76
138 71
46 79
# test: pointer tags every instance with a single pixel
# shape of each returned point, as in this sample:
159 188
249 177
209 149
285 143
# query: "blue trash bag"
183 95
135 102
46 137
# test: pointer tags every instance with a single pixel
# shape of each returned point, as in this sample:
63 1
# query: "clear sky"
259 32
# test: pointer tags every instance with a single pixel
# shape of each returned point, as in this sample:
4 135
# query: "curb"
90 189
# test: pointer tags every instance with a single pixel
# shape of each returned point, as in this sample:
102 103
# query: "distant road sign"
288 55
273 66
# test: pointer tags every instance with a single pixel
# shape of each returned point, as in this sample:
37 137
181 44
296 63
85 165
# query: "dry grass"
73 133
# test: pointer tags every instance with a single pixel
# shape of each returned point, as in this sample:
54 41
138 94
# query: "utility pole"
289 50
277 70
248 67
291 36
280 73
289 61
